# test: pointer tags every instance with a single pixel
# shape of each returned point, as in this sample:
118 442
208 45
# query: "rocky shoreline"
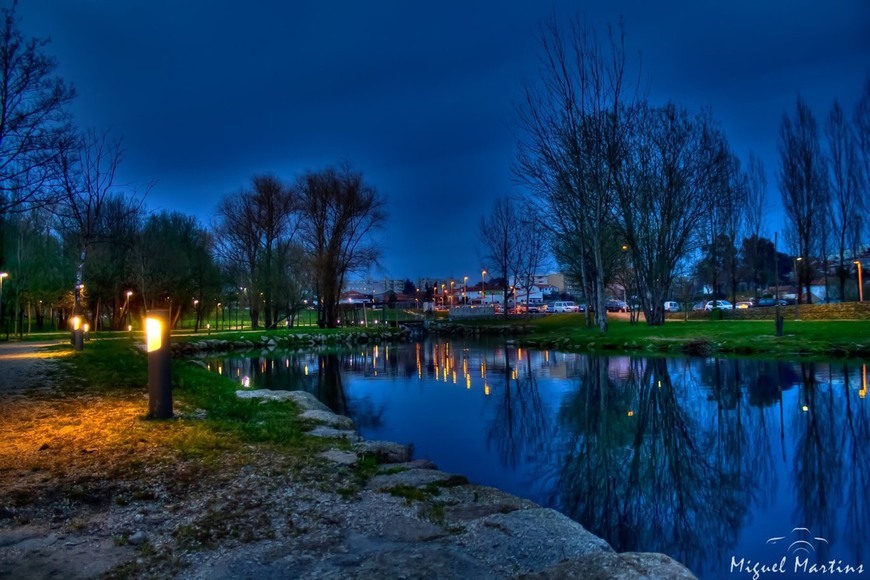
412 520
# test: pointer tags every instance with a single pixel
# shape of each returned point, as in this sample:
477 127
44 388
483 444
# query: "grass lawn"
800 338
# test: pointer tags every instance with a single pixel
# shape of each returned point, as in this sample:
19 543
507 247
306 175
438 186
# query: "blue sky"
420 97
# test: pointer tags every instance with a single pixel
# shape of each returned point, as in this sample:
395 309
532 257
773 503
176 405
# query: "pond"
727 465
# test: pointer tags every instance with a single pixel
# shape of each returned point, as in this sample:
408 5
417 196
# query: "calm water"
710 461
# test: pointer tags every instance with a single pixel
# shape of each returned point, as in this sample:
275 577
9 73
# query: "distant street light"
797 297
465 289
483 286
126 306
857 262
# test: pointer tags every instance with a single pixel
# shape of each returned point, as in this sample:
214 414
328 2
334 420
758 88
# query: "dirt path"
27 366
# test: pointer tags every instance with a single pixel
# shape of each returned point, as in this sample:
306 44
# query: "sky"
421 98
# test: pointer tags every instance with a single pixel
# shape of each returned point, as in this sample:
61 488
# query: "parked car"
721 304
537 308
698 306
616 306
672 306
565 306
743 305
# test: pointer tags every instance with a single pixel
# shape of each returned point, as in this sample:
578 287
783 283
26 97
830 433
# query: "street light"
797 297
465 289
126 305
857 262
483 286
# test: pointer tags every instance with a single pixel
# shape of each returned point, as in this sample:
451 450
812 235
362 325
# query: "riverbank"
243 488
703 337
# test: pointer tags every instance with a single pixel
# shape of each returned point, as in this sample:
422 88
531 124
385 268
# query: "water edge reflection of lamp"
159 364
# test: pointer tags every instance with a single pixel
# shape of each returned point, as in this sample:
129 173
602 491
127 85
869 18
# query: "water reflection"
703 459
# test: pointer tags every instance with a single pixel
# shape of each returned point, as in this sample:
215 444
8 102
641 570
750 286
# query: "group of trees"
76 242
644 191
293 244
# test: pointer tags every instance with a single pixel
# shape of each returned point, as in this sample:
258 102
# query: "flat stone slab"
529 540
324 431
384 451
329 419
415 478
341 457
305 400
471 502
613 566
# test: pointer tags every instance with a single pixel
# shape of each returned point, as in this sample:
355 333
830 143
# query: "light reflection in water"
698 458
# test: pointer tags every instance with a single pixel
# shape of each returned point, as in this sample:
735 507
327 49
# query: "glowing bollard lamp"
159 364
78 334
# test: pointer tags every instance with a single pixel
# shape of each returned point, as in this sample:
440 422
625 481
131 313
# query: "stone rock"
137 538
530 540
471 502
385 451
341 457
324 431
614 566
329 418
415 478
305 400
415 464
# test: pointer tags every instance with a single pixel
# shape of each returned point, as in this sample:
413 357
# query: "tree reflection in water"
520 425
698 458
641 470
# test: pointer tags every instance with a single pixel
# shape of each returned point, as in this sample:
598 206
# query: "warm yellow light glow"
805 408
468 381
454 377
631 413
86 327
129 328
76 322
153 334
486 390
306 370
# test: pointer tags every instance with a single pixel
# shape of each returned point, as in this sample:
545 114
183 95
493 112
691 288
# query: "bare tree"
87 168
676 161
253 224
755 211
498 236
845 179
33 119
734 197
575 123
339 213
532 251
803 186
862 129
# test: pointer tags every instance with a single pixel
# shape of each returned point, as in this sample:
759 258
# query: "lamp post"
857 263
797 297
126 306
2 317
464 289
451 294
483 286
159 364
